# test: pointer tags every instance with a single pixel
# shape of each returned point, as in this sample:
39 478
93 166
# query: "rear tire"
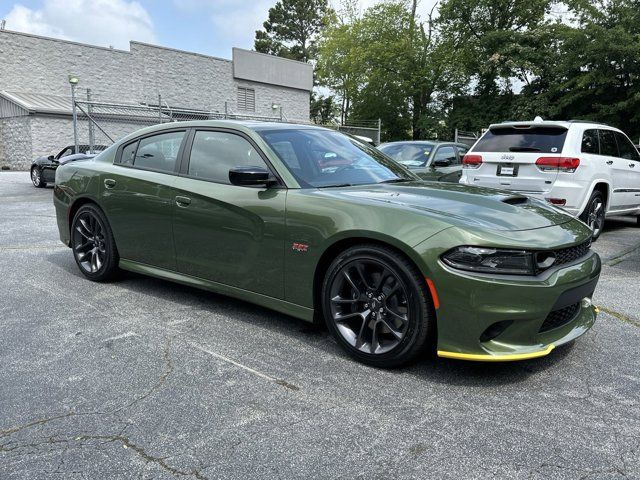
94 248
594 214
376 306
36 178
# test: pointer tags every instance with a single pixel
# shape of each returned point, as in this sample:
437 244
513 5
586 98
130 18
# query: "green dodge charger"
316 224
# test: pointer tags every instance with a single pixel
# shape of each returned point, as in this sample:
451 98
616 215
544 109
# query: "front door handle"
609 162
109 183
183 201
632 165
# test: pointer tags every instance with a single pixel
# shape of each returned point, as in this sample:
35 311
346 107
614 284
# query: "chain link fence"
100 123
368 130
468 138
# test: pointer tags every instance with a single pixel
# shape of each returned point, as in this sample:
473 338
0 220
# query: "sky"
210 27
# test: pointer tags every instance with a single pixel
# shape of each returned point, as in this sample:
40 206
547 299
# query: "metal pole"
159 108
75 117
379 130
455 136
91 131
226 110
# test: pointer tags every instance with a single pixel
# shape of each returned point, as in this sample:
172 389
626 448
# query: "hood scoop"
515 200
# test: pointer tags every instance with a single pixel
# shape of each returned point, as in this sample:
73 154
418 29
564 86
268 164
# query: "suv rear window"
509 139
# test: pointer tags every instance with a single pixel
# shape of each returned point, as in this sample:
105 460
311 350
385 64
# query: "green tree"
323 109
487 34
292 29
388 64
597 72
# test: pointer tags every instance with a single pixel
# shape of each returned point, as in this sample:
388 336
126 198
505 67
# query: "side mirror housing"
51 158
250 176
443 162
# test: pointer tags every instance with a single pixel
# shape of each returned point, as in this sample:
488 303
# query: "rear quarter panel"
77 182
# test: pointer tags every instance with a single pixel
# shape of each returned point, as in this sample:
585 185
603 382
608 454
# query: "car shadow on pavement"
429 367
618 223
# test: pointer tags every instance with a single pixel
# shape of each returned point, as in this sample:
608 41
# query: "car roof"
241 125
548 123
422 142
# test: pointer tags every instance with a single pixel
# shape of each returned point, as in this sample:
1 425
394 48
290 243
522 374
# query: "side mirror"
51 158
442 162
250 176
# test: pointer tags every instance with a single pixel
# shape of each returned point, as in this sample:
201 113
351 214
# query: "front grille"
569 254
560 317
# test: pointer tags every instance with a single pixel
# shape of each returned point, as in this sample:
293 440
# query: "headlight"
495 260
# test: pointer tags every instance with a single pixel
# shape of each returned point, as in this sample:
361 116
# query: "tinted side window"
128 154
214 153
590 142
159 152
445 153
608 145
627 150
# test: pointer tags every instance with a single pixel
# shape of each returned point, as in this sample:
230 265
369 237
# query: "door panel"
231 235
138 197
629 173
139 207
609 159
49 171
227 233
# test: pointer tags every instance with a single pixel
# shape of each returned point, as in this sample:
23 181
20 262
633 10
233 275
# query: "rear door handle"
609 162
109 183
183 201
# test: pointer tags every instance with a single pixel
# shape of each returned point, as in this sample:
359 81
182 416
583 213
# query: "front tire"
36 178
376 305
94 248
594 214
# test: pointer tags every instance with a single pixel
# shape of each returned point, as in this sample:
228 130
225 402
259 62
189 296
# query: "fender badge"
300 247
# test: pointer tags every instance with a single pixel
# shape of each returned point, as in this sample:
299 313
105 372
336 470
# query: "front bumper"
527 312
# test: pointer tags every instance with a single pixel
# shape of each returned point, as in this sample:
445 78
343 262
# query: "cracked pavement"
145 378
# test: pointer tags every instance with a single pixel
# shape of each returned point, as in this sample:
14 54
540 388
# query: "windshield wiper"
396 180
524 149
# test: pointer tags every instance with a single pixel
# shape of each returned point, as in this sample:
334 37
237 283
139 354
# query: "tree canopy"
475 62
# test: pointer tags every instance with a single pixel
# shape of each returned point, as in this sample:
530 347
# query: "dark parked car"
43 169
430 160
318 225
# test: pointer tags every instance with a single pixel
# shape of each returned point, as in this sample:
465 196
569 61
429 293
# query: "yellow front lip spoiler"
475 357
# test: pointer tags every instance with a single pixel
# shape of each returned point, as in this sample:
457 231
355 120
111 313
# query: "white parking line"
122 335
244 367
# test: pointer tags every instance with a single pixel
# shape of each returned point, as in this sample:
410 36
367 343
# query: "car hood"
460 205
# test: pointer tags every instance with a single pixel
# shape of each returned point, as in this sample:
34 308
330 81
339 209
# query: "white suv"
590 170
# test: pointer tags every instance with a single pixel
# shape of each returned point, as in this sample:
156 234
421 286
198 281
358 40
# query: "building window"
246 99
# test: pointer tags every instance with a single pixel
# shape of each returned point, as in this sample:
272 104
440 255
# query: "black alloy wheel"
377 307
93 246
594 213
36 178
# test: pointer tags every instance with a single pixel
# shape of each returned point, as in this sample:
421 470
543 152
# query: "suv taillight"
471 161
561 164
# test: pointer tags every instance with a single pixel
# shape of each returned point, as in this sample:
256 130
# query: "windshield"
410 155
324 158
535 139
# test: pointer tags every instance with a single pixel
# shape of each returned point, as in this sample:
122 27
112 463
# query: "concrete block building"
35 104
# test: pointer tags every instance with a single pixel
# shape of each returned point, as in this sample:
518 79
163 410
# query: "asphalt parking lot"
150 379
